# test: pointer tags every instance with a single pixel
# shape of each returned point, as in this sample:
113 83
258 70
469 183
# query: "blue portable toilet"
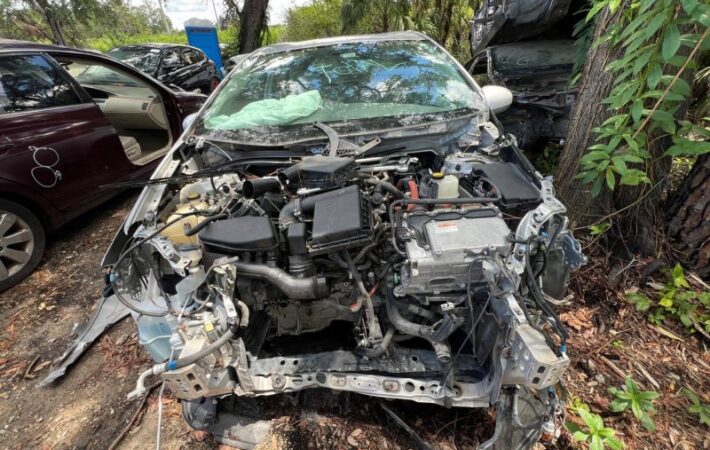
205 38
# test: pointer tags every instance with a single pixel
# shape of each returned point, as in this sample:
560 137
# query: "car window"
89 72
479 70
354 81
146 59
532 57
193 56
172 61
31 82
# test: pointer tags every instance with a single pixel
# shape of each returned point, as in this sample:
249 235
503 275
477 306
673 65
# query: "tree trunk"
446 25
252 24
637 209
688 215
50 16
589 112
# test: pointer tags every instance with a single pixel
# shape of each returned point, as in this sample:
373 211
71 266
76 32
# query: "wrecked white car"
346 214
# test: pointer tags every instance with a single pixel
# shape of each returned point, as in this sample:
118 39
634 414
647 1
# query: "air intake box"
239 234
341 219
318 172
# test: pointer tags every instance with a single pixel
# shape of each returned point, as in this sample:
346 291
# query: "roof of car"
153 45
393 36
12 44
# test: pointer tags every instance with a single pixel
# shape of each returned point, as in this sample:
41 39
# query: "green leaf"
652 27
618 405
596 443
610 179
607 433
671 42
681 87
647 422
594 156
596 187
619 164
692 396
654 76
628 157
633 177
637 110
614 5
665 120
614 443
641 302
649 395
678 275
595 10
689 5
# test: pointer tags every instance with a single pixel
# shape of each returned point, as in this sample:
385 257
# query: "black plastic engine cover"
318 172
239 234
340 220
515 188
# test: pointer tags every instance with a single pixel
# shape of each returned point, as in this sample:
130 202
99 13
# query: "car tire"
22 241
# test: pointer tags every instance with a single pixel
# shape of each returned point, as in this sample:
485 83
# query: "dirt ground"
88 408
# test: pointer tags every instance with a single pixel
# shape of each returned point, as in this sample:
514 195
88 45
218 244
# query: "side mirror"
498 98
187 121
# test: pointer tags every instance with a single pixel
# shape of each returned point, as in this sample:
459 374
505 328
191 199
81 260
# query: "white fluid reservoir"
447 186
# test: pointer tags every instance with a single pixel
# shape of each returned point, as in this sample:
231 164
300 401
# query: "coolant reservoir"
176 231
447 186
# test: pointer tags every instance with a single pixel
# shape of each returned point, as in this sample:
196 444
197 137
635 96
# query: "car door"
175 70
200 69
55 139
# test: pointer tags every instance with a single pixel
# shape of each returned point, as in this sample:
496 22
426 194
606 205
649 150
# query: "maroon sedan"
70 121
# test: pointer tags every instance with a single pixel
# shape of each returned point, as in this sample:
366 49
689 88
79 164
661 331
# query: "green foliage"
648 88
640 402
700 409
677 300
599 228
316 20
595 434
446 21
79 20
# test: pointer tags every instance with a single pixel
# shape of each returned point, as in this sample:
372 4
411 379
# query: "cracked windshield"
350 82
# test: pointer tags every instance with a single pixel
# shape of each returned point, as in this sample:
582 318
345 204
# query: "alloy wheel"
16 244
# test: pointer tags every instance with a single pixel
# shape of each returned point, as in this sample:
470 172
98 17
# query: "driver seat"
131 147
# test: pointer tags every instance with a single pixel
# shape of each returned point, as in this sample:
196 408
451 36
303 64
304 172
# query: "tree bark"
589 112
688 216
252 20
637 209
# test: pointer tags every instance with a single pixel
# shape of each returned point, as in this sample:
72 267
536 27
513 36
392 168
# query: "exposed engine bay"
429 276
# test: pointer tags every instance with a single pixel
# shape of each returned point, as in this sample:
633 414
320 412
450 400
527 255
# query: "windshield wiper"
333 138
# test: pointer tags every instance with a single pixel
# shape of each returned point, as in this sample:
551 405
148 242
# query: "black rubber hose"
379 349
259 186
387 186
296 288
441 348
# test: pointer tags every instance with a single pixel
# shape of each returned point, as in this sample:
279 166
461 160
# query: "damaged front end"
415 262
355 275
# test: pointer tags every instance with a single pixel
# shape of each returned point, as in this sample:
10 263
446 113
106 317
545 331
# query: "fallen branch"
28 370
613 366
647 375
129 425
